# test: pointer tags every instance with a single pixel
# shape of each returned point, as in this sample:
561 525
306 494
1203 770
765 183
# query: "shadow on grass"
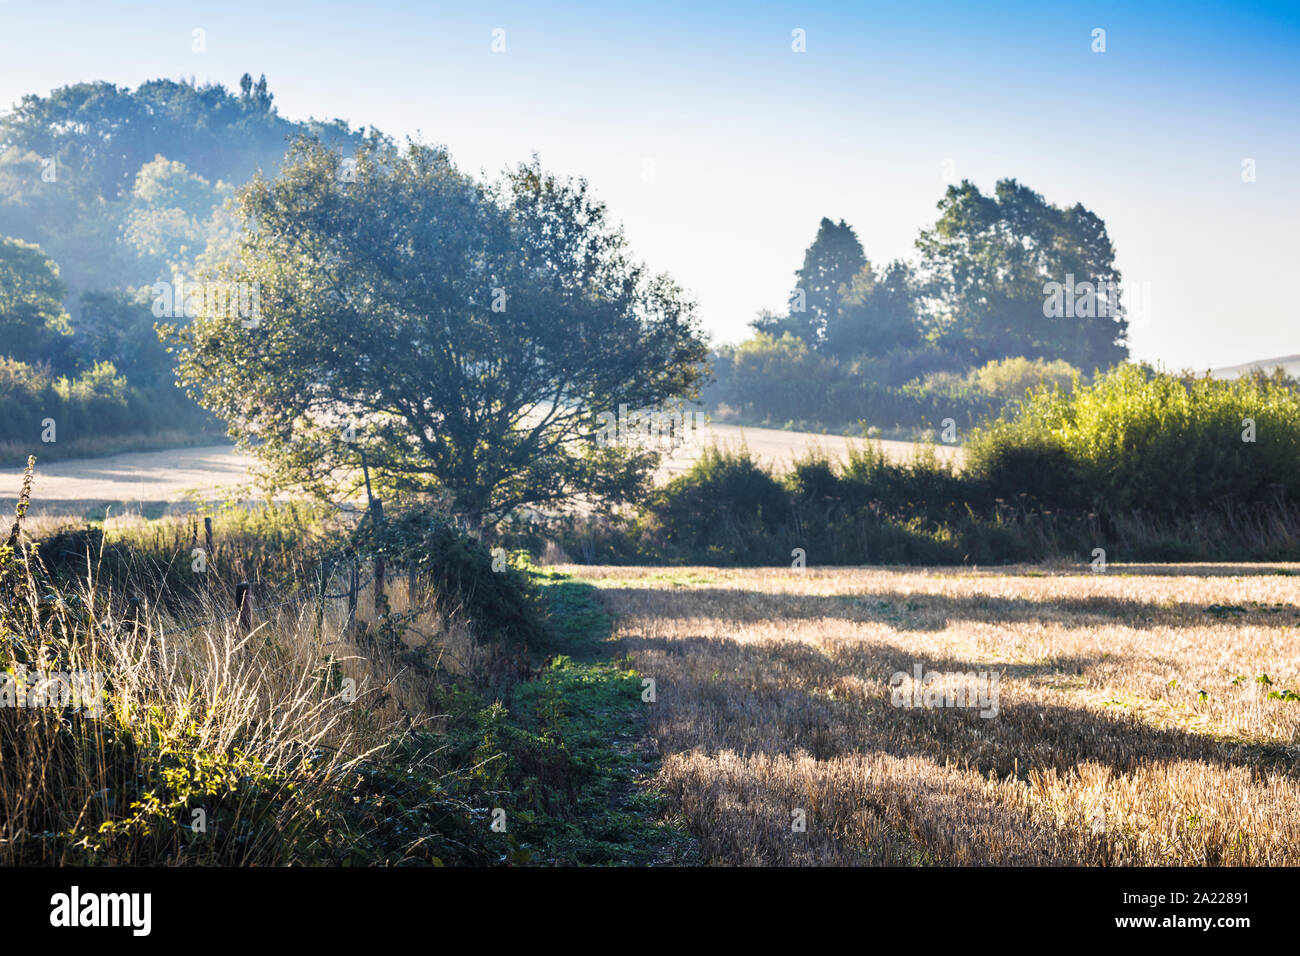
780 697
913 611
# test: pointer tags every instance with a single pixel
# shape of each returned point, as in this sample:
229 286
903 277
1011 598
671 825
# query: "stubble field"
1134 723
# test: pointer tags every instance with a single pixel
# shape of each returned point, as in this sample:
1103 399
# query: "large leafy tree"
986 262
465 335
33 326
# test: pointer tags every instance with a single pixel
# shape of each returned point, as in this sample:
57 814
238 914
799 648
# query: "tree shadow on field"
771 697
1202 570
922 611
782 697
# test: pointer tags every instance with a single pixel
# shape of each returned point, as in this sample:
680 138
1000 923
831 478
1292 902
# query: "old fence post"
207 540
379 584
412 584
354 584
320 600
244 605
133 613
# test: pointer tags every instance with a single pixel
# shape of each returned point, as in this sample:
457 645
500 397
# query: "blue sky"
749 144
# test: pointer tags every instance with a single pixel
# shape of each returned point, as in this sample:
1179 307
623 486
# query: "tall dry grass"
266 733
1133 727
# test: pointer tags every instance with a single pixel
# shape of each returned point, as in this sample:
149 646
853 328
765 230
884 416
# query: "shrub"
95 412
1010 378
725 505
767 380
1025 505
1147 441
460 569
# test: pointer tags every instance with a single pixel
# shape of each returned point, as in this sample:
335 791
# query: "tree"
117 327
769 375
465 335
70 163
987 261
829 264
33 325
172 216
875 315
105 133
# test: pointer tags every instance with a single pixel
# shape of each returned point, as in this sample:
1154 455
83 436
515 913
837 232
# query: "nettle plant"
460 332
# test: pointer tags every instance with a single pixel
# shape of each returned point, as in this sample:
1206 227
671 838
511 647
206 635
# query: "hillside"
1290 363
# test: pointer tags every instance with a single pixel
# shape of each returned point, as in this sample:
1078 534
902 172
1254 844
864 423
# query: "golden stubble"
1131 727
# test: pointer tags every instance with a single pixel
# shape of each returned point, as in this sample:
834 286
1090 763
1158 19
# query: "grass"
1147 715
412 739
576 760
1136 726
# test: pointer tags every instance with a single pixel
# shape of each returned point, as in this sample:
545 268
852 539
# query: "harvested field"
1143 716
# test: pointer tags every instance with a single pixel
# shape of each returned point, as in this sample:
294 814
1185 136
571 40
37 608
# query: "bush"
459 568
777 381
1138 440
1010 378
96 412
1028 496
726 505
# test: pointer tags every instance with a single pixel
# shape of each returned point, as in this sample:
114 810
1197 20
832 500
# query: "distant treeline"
1002 276
104 192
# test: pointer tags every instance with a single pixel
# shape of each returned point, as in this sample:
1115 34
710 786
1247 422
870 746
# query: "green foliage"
118 327
569 793
896 350
772 381
724 505
172 217
1010 378
1020 501
107 133
1151 442
986 262
115 183
877 315
17 596
500 602
829 268
33 323
379 309
91 412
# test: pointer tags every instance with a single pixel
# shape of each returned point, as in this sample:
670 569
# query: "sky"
719 147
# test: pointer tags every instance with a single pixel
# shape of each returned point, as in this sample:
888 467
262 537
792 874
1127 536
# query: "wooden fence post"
207 540
320 601
244 605
354 585
412 586
133 614
379 584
